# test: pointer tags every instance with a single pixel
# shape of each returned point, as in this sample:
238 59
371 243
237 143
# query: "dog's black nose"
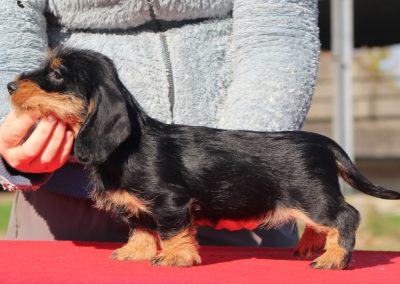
12 87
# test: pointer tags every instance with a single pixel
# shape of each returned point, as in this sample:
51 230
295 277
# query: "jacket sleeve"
13 180
23 42
276 53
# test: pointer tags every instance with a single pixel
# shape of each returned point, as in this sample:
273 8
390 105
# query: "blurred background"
357 103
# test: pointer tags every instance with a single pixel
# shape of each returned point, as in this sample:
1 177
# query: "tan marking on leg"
312 242
142 245
334 256
280 216
180 250
121 198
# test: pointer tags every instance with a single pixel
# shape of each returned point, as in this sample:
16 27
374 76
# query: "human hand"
45 150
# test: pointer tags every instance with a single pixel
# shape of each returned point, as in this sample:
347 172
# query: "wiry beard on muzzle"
67 107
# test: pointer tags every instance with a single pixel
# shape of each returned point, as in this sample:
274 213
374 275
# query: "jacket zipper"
166 59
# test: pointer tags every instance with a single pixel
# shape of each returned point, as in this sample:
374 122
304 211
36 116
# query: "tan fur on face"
180 250
91 106
121 198
29 97
55 63
142 245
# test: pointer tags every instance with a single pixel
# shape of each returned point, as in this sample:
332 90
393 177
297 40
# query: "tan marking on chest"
121 198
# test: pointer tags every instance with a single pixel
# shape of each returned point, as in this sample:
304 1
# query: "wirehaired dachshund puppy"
164 180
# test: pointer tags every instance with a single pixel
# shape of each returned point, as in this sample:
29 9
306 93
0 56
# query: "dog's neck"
140 121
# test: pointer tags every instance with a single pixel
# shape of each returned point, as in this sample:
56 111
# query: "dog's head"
82 88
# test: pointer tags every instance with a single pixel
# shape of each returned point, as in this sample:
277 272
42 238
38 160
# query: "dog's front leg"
179 250
177 237
142 245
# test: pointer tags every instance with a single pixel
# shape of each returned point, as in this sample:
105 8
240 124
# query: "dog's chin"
73 123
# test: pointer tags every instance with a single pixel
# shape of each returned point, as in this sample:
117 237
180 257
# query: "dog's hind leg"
312 242
142 245
340 238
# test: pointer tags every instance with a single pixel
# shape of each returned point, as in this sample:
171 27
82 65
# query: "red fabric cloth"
79 262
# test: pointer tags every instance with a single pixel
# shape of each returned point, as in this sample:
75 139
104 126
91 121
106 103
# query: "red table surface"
80 262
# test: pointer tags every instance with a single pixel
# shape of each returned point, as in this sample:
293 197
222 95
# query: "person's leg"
283 237
43 215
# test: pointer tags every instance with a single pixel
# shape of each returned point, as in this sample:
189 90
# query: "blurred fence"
376 102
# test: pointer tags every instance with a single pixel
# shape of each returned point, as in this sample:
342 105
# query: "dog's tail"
349 172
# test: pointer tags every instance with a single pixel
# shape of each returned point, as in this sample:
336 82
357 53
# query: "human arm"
23 42
44 151
276 53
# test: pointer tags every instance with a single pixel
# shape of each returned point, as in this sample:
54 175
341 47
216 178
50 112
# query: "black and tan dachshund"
164 180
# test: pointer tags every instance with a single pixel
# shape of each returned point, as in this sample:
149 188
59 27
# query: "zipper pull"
148 5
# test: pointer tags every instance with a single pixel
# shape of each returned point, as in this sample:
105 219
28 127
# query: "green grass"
379 231
384 224
5 208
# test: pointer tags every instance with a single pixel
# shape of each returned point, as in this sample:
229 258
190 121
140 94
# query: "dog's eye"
56 74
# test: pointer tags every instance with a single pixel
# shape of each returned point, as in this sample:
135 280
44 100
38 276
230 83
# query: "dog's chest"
115 200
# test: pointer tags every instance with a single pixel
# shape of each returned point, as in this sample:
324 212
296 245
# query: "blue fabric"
13 180
72 179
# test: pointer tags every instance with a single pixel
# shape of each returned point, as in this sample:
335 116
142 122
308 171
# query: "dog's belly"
269 219
231 225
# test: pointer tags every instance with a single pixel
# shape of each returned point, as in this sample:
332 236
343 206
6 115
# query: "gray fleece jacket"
233 64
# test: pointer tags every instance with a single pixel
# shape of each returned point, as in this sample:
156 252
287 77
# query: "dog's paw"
132 253
330 260
327 265
182 260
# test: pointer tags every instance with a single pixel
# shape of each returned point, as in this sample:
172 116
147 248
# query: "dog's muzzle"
12 87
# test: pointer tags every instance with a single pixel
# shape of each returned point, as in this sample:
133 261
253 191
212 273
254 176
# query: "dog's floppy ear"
105 128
